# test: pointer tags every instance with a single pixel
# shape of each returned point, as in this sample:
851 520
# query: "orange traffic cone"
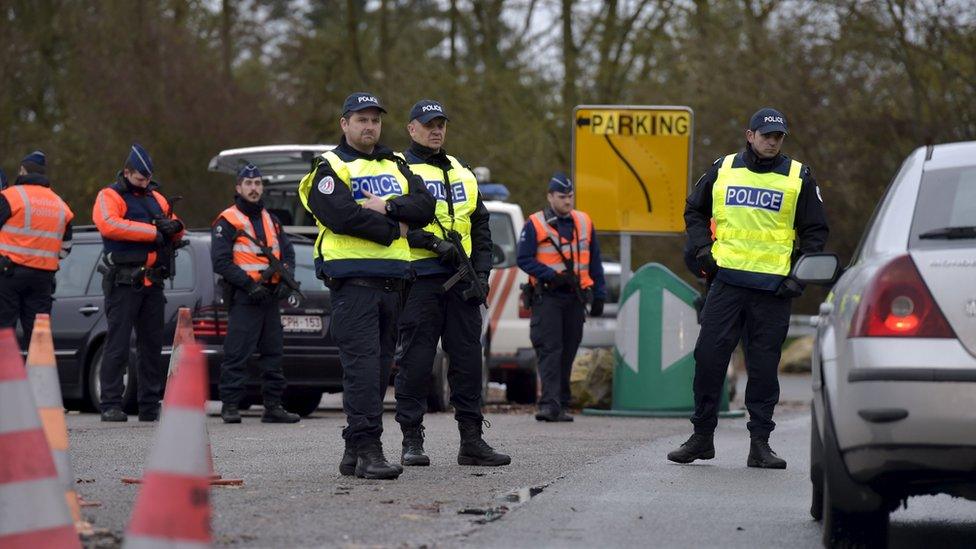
173 506
33 512
42 371
183 335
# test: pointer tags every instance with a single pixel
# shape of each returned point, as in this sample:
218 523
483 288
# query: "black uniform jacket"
810 221
340 212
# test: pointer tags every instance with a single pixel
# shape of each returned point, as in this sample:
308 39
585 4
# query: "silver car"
894 364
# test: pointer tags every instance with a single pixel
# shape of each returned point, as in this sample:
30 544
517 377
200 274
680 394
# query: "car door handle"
826 308
88 310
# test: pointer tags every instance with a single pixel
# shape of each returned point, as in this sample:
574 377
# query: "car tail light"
897 303
210 322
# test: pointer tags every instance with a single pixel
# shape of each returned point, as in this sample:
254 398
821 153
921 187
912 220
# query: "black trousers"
556 330
252 326
25 293
141 307
762 320
430 315
364 328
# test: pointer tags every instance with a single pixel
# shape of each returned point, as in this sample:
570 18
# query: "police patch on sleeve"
326 185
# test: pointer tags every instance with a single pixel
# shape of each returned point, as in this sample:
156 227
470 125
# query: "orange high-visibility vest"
33 235
578 249
246 253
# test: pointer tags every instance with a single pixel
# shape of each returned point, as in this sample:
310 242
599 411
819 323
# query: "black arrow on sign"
582 122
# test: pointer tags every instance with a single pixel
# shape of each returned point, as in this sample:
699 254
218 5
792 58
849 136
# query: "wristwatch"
390 206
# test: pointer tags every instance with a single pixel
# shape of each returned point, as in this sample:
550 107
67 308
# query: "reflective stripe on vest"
33 234
247 254
578 249
754 215
464 193
383 179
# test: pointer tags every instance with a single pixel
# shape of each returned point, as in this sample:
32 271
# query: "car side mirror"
820 268
497 255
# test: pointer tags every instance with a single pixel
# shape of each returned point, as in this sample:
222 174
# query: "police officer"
140 233
559 251
432 313
364 199
35 233
767 210
253 320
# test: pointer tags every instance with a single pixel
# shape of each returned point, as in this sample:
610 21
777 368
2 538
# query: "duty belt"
385 284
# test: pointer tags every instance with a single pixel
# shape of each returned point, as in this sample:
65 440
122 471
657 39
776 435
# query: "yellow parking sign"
631 166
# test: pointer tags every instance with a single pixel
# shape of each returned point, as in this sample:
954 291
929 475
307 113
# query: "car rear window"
76 269
305 269
946 198
503 235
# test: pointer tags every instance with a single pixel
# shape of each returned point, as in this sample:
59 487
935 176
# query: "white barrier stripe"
181 444
46 386
133 541
32 505
18 399
63 463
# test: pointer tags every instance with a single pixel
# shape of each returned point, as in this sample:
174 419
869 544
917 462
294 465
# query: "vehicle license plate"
301 323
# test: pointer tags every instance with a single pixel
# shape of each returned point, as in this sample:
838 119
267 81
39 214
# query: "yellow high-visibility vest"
754 215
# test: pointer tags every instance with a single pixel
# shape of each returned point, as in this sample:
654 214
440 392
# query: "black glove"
596 308
706 262
789 288
483 278
446 252
168 227
258 292
282 291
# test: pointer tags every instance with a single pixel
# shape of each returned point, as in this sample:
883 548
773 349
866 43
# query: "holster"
226 292
528 295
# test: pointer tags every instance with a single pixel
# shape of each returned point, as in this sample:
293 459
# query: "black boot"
699 446
564 416
547 414
274 413
347 466
474 450
114 415
762 456
230 413
372 464
149 414
413 446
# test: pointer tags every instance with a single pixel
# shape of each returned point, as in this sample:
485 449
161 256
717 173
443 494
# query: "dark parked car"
311 360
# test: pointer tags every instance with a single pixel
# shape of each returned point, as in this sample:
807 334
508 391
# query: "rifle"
475 291
569 270
275 266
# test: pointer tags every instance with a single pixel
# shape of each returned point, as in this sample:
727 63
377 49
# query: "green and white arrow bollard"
654 350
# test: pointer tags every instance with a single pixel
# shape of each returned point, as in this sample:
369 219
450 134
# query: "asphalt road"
596 482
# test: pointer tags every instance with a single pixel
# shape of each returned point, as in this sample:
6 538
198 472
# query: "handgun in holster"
6 266
226 292
528 295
